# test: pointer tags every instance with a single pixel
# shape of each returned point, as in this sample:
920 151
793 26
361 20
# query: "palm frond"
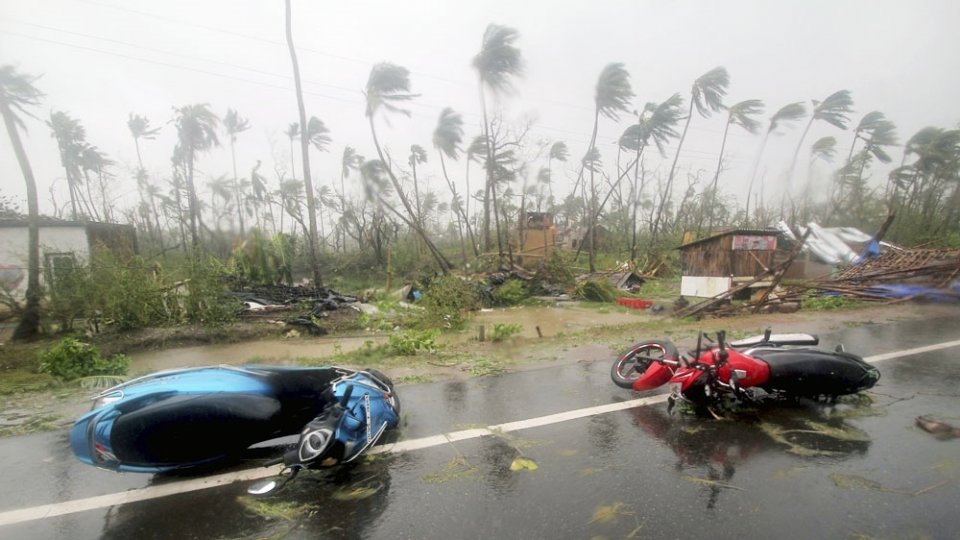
139 127
449 133
834 109
235 124
318 134
388 87
498 60
417 155
613 92
788 113
558 151
741 114
709 89
824 149
18 92
592 160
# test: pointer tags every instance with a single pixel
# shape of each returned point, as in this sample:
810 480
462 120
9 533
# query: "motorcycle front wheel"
630 365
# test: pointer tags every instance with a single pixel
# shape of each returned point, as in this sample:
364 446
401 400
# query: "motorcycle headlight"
314 443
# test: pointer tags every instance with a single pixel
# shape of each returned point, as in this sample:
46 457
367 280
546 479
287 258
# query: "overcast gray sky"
103 59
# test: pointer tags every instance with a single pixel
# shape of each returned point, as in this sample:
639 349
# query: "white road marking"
22 515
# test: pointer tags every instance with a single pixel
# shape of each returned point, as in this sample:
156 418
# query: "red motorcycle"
781 365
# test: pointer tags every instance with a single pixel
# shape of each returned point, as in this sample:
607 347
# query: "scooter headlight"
313 444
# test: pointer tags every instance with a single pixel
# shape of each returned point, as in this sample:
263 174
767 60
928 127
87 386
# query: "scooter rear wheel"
630 365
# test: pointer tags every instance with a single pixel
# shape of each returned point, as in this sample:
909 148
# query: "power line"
537 127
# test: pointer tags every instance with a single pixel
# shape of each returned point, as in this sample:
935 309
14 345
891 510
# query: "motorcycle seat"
192 428
813 372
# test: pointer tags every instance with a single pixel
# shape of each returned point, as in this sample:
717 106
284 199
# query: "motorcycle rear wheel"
631 365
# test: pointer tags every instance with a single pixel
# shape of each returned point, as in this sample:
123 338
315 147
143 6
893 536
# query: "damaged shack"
714 264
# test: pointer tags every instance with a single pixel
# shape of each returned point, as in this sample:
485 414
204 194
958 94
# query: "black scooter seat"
813 372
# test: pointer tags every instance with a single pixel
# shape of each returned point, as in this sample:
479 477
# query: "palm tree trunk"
304 153
793 162
753 176
236 186
192 201
442 261
491 188
713 185
29 325
667 192
461 212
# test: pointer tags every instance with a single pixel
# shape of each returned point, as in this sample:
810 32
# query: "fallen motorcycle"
777 365
200 416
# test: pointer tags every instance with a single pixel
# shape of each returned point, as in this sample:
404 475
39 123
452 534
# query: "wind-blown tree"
71 138
139 127
558 152
304 152
447 137
293 133
234 124
92 159
497 64
657 122
17 94
612 97
388 87
318 136
878 135
418 156
350 161
824 149
740 114
832 110
785 115
706 96
197 133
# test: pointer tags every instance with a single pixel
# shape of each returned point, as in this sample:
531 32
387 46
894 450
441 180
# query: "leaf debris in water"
456 468
354 494
285 510
522 463
608 513
712 483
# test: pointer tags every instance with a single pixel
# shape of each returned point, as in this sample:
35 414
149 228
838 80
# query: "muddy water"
267 351
564 318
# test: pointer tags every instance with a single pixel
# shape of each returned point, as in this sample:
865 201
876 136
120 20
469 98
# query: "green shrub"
596 290
207 301
446 302
511 293
503 331
825 302
71 359
555 270
411 342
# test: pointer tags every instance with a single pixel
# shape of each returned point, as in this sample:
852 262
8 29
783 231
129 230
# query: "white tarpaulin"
830 244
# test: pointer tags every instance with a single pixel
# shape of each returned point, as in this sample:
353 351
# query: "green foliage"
206 301
263 260
446 302
502 332
127 292
71 359
511 293
555 269
596 290
411 342
825 302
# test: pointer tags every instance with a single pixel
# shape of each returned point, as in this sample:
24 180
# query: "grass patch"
22 382
44 422
503 332
414 379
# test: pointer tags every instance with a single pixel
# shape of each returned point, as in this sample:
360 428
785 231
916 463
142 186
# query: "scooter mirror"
263 487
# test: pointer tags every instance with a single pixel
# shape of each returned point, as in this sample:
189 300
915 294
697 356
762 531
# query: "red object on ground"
635 303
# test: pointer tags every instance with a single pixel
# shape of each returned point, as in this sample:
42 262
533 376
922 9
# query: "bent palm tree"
197 133
706 96
740 114
388 87
16 94
447 137
612 97
832 110
304 152
788 113
235 124
497 63
71 138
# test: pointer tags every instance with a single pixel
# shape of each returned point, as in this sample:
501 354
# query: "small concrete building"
713 264
62 243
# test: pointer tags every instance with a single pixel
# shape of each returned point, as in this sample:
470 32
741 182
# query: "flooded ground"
553 321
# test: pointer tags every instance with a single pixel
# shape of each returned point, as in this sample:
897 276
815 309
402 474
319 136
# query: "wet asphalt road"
861 469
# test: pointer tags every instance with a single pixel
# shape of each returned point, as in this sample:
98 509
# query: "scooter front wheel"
630 365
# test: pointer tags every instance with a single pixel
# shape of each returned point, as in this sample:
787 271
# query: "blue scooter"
196 417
